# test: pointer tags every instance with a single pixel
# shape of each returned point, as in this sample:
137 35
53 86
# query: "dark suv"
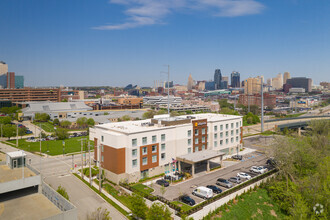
214 188
162 182
237 157
186 199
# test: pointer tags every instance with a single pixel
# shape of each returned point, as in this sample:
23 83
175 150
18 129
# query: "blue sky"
117 42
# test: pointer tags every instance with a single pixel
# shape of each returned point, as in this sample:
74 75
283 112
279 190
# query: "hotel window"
134 152
226 133
102 158
196 140
154 148
215 143
240 123
232 140
236 131
196 149
226 126
203 139
189 133
102 149
144 150
162 156
154 139
189 150
196 131
163 147
144 140
232 132
221 142
134 142
134 163
144 161
221 127
232 125
221 134
215 128
215 136
102 138
189 142
203 147
236 138
236 124
163 137
203 130
154 158
227 141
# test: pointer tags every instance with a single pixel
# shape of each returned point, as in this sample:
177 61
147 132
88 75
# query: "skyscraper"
252 85
286 76
278 81
235 79
3 68
301 82
190 82
217 78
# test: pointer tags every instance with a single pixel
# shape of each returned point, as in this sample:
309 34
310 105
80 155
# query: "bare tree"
99 214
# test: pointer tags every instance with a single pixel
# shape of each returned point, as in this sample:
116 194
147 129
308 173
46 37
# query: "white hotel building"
134 149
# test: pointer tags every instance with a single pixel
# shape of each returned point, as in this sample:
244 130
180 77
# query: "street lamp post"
262 107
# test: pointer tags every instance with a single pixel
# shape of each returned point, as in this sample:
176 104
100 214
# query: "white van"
203 192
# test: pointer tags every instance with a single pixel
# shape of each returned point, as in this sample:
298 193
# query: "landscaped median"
185 210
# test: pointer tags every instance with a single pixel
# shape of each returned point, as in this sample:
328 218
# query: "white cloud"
150 12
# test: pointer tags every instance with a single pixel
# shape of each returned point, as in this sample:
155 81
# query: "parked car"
186 199
203 192
259 169
235 179
28 132
214 188
224 182
237 157
271 161
162 182
244 175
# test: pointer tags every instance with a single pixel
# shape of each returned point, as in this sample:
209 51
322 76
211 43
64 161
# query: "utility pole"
262 107
248 103
168 90
82 170
23 164
100 168
40 152
1 130
90 169
16 135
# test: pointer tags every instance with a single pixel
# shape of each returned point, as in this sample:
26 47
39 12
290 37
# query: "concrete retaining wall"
69 211
211 207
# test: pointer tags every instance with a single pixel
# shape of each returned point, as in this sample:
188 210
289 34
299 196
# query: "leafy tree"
126 118
106 113
5 120
62 191
22 131
224 104
43 135
255 109
41 117
90 122
65 124
161 112
61 133
99 214
9 110
228 111
56 121
158 211
138 206
148 114
82 122
9 131
174 113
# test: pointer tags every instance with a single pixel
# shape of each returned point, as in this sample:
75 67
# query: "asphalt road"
57 171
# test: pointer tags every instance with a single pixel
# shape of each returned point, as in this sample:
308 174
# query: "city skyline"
85 43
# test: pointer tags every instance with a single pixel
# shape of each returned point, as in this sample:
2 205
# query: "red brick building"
269 100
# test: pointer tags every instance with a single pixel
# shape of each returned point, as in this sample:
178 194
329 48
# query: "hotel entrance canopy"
200 156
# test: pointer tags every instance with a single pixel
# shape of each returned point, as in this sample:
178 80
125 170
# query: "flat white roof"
16 154
128 127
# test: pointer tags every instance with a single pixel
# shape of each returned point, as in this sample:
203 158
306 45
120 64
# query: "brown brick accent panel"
199 124
241 135
95 149
113 159
149 155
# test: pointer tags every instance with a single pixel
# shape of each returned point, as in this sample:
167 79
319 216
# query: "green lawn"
124 198
54 147
184 207
255 205
48 127
143 188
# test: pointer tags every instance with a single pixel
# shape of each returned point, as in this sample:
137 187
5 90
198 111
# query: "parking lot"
231 168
